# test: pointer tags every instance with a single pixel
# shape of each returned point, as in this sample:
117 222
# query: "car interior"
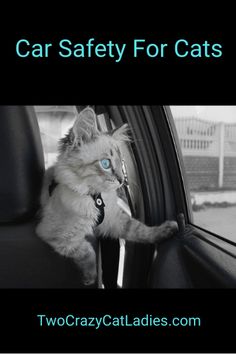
157 190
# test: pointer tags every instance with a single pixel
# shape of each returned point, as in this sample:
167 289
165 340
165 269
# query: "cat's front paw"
89 278
87 271
166 230
90 281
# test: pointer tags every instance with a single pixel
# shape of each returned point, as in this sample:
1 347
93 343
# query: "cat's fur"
69 215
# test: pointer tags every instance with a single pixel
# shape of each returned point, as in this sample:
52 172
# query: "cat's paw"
90 281
89 277
166 230
87 271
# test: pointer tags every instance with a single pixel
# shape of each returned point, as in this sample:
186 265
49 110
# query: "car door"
204 144
198 256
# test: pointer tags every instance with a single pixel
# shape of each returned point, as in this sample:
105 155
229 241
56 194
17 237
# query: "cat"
82 203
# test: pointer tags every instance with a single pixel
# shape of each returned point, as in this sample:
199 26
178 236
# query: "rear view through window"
207 136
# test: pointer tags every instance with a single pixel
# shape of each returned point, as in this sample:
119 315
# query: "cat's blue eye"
105 163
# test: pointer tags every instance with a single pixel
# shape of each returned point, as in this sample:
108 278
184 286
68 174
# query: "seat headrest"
22 163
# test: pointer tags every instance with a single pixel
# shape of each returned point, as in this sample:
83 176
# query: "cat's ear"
85 126
121 133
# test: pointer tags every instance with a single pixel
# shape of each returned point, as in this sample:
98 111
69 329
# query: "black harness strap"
99 203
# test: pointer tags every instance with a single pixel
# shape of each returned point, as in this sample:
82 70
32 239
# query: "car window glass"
207 136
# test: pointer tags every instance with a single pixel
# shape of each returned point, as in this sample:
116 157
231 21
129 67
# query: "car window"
207 137
54 122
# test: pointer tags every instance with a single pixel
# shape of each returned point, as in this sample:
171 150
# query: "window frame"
153 128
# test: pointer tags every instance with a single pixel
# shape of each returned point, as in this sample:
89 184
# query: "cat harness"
98 201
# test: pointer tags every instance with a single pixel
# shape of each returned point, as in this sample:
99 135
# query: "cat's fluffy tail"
48 178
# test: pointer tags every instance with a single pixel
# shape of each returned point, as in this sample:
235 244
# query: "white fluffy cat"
87 173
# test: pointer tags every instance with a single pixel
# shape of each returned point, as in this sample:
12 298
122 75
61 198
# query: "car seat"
25 260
